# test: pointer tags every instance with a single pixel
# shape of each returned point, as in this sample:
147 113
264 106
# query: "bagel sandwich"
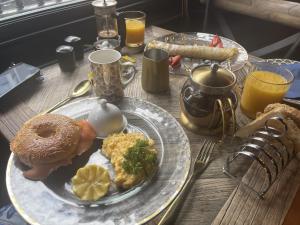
47 142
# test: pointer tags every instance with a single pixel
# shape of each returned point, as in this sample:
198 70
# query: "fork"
198 167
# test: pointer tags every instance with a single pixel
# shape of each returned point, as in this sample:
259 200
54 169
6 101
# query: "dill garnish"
139 158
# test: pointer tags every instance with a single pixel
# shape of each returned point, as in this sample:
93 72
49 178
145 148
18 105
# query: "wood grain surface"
244 207
293 216
214 197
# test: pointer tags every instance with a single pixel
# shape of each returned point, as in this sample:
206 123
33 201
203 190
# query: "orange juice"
262 88
135 30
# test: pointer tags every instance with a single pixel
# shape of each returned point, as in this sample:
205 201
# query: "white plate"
52 202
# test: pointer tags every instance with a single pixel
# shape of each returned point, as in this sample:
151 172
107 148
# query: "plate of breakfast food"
60 171
187 50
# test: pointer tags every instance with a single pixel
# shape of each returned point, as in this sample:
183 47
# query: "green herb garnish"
139 158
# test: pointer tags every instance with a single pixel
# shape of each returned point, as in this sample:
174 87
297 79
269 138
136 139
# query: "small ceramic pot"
106 119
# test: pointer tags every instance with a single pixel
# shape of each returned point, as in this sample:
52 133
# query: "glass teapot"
208 100
106 18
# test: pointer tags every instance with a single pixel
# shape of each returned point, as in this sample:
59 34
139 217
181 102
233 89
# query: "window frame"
32 22
40 9
22 37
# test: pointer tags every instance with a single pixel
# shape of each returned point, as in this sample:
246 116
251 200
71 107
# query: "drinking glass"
30 4
8 6
49 2
266 83
135 28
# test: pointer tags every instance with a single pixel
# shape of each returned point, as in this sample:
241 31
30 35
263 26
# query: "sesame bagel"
46 139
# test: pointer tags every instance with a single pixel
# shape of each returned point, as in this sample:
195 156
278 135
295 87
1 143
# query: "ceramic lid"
212 79
106 119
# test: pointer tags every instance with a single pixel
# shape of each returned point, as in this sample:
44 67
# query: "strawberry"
175 61
216 42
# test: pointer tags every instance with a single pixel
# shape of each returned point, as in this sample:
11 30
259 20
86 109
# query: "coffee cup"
109 74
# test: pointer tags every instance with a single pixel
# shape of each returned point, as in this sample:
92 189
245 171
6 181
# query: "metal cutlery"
81 89
199 165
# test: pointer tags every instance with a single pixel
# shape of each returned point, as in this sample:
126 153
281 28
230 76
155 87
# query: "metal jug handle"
126 78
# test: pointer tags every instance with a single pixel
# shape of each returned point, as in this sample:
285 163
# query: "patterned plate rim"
280 61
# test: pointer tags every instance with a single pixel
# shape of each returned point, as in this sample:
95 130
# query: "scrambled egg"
114 147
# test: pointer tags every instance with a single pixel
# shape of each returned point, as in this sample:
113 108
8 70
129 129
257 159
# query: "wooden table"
209 192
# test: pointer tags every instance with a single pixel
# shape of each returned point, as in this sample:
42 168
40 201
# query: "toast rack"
263 157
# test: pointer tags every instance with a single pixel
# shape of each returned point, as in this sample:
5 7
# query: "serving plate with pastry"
194 48
60 170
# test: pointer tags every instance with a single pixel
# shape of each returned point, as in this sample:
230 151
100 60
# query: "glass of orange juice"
135 28
266 83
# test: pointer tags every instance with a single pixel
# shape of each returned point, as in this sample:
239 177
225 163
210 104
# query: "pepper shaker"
66 58
76 43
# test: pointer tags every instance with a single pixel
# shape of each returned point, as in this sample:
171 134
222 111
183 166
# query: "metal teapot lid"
104 7
104 3
211 79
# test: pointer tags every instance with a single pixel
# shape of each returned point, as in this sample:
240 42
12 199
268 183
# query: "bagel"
49 141
46 139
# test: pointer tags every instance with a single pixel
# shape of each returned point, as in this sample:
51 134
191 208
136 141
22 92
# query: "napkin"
8 215
294 91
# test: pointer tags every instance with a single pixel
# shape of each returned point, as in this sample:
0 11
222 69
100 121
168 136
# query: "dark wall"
252 33
33 39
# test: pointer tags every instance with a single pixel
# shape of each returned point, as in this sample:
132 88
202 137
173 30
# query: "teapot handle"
233 116
121 28
218 105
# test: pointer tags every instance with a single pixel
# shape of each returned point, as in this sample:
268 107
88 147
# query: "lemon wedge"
91 182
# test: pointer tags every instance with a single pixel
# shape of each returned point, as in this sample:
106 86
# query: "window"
13 8
32 34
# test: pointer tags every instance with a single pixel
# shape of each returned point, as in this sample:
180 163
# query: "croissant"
195 51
